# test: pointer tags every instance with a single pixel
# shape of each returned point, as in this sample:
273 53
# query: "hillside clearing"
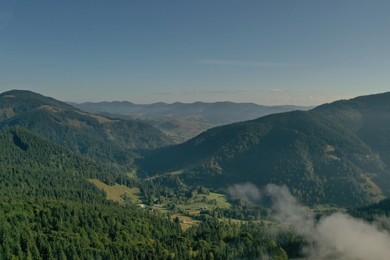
117 192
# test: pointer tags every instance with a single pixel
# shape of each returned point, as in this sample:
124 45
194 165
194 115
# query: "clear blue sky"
268 52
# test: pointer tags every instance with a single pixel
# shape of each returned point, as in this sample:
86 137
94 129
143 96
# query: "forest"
49 210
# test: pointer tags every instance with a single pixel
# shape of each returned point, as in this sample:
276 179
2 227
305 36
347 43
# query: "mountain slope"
314 153
35 167
367 116
178 129
99 137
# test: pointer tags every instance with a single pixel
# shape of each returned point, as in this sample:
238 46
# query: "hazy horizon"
190 102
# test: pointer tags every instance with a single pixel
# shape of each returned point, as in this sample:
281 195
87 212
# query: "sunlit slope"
368 117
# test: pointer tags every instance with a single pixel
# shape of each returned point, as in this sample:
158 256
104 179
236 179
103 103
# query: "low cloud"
337 237
247 192
347 237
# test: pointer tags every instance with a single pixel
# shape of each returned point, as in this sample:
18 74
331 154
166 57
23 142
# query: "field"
185 221
118 192
204 202
187 213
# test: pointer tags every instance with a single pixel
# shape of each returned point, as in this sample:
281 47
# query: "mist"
337 236
248 192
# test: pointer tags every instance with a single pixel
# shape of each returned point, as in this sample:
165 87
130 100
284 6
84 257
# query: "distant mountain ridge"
335 154
98 137
216 113
183 121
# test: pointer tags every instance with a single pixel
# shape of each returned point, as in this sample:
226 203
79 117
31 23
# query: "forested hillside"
49 210
369 118
98 137
320 155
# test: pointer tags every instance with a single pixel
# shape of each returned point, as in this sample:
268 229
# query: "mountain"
178 129
182 121
334 154
99 137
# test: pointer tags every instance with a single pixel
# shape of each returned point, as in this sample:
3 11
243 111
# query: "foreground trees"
52 229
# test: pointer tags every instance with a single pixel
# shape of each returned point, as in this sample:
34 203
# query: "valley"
183 121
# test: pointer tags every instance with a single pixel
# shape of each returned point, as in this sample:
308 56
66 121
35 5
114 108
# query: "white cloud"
338 236
247 192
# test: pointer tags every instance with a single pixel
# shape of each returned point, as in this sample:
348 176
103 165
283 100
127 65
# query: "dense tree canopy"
49 210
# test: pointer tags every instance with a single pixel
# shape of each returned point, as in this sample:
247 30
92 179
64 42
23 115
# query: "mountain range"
182 121
335 154
216 113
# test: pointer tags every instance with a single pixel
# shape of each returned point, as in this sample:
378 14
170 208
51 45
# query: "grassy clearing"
118 192
221 200
185 221
205 202
194 208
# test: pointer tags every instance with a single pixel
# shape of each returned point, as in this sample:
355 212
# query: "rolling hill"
333 154
98 137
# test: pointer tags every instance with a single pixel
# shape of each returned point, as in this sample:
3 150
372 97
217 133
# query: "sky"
270 52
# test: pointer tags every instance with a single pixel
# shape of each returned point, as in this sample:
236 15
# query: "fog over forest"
338 236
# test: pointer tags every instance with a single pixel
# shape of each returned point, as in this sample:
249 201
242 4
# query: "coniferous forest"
49 210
